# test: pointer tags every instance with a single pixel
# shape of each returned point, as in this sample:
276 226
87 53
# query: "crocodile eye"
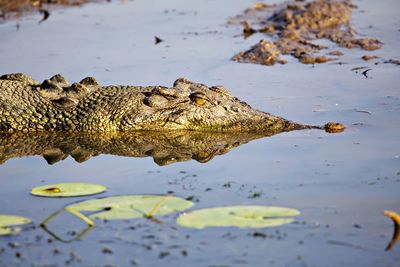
199 99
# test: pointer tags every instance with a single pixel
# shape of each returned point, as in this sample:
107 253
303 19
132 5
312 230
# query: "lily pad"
238 216
131 206
8 223
68 190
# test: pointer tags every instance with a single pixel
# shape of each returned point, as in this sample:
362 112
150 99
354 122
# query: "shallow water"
341 183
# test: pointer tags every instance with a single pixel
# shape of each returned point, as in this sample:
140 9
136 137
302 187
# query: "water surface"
341 183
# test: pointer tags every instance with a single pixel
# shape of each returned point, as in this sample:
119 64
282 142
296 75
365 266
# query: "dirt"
368 58
17 8
264 53
295 25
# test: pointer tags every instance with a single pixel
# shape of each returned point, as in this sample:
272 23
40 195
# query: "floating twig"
396 233
365 72
363 111
46 15
157 40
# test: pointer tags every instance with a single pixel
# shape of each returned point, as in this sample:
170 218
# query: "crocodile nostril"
155 101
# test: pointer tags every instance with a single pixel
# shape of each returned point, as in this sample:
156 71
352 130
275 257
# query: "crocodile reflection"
165 147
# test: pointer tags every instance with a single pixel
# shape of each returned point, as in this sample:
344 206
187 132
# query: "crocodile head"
194 106
87 106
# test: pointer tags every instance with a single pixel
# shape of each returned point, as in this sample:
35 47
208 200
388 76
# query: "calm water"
341 183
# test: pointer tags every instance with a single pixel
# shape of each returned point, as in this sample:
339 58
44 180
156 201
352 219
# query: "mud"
264 53
368 58
295 25
17 8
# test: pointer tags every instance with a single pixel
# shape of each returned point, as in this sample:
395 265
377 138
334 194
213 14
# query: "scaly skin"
54 105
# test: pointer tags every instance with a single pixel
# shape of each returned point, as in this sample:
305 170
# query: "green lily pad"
238 216
68 190
8 223
130 206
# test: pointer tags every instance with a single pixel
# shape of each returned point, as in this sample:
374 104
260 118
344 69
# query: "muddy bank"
17 8
295 25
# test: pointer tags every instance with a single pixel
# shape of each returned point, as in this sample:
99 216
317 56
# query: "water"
341 183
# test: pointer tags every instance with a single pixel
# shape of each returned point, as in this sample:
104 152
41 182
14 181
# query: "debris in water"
392 61
356 69
157 40
334 127
46 15
368 58
106 250
396 233
247 29
365 73
363 111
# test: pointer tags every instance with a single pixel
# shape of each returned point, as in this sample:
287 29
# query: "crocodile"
55 105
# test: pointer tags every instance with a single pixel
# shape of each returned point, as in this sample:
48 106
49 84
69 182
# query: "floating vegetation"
8 224
119 208
130 206
77 236
68 190
238 216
